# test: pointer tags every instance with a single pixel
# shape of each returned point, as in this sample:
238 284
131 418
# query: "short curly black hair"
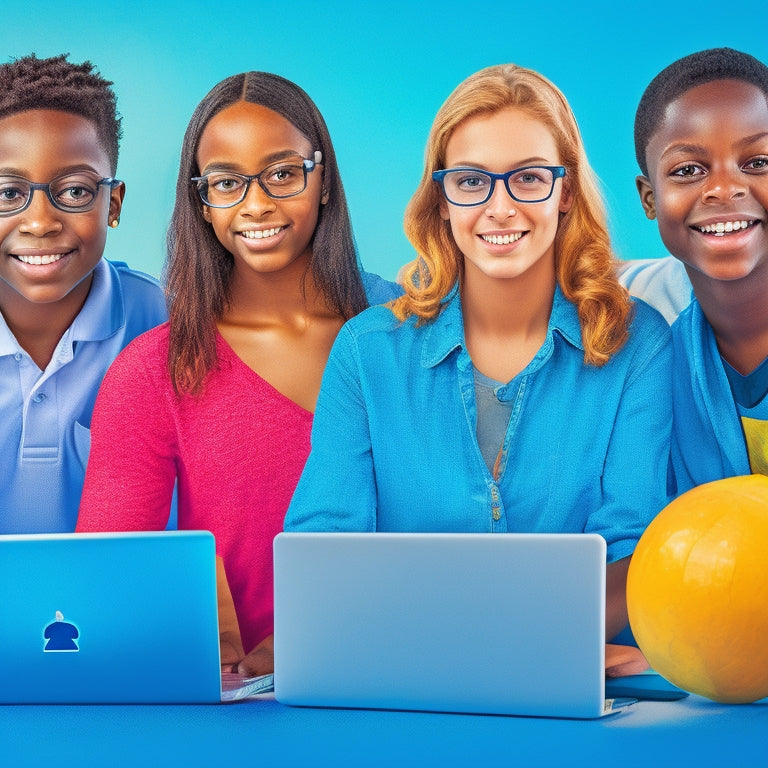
55 83
686 73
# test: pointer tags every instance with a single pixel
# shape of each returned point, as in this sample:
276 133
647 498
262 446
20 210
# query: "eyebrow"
66 171
522 164
275 157
699 149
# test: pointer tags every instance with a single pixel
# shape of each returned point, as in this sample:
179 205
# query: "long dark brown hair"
198 269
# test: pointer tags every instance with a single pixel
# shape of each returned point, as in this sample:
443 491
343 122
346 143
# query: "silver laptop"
99 618
475 623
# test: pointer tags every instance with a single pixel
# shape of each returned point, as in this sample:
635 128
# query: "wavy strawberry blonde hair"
584 261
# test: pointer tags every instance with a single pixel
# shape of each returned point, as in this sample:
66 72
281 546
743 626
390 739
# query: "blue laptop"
109 618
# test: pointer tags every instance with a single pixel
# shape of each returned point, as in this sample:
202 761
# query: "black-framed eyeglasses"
472 186
71 192
223 189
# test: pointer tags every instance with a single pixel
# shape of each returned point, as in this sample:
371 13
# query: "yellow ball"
697 590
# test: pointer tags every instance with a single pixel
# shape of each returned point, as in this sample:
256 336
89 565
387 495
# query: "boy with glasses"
65 312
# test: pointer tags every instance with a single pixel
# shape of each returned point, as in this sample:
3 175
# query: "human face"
264 234
503 238
40 145
708 180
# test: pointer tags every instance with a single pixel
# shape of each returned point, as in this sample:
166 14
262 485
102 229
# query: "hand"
260 661
621 660
231 650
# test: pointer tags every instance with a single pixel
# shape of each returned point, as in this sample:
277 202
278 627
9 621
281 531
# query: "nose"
500 205
40 218
724 184
256 200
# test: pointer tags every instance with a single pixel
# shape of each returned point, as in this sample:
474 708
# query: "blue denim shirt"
394 444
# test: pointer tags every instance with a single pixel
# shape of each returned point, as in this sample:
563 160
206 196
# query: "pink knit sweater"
237 453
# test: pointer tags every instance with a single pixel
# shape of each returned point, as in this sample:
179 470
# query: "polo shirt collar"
103 313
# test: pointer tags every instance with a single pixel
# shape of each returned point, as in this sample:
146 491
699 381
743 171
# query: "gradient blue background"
378 72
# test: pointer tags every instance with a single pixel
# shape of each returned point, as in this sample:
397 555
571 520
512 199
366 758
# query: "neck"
274 297
737 310
506 320
38 327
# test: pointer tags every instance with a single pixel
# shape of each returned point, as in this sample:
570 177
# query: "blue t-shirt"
46 415
394 444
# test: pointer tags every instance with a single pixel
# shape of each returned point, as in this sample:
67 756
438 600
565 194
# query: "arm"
337 489
634 481
131 468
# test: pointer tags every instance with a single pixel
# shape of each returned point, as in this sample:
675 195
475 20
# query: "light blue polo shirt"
45 416
394 445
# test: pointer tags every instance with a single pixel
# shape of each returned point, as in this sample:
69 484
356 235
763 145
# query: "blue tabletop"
689 732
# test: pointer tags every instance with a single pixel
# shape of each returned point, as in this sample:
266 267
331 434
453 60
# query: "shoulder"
140 291
378 290
662 282
376 319
148 352
134 279
648 325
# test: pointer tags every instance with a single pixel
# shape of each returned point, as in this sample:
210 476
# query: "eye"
529 177
76 194
225 184
757 165
282 174
688 171
10 193
471 182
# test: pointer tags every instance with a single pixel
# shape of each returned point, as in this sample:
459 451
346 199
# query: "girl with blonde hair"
515 387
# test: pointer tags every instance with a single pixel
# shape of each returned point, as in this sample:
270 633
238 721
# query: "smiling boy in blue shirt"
65 312
701 139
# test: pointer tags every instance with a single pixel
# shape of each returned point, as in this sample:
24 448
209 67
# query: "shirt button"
496 513
39 397
17 357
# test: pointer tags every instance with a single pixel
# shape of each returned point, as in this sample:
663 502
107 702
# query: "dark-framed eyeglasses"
472 186
71 192
224 189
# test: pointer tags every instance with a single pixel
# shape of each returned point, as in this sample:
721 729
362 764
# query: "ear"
443 208
116 197
645 190
207 213
324 195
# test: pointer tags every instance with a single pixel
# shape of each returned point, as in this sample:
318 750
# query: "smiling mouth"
260 234
502 239
723 228
40 259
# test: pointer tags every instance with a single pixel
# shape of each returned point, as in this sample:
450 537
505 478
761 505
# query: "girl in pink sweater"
261 273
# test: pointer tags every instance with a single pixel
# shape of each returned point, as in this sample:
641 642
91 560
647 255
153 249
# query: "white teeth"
502 239
48 258
722 227
260 234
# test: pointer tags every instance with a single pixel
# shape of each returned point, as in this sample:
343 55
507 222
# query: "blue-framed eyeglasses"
71 193
472 186
224 189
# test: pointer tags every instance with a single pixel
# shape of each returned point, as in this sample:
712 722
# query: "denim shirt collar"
446 332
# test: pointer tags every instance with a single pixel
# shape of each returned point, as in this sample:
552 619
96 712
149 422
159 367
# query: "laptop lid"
109 618
476 623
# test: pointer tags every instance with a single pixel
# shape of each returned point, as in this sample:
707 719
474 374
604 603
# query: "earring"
114 223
